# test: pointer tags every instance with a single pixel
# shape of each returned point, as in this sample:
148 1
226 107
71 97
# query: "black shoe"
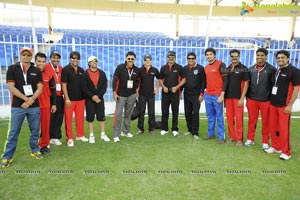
45 150
209 137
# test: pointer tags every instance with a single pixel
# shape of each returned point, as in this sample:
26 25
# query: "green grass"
231 172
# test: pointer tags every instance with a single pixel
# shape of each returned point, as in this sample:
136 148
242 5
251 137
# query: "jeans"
17 117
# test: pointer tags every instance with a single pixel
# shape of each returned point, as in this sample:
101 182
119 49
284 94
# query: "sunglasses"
28 55
147 60
95 60
191 58
75 58
130 58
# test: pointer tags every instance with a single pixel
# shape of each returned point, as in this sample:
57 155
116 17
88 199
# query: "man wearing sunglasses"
24 81
71 79
125 83
193 94
172 77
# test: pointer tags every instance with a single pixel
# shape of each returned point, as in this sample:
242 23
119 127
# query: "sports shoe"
151 132
187 133
140 132
209 137
45 150
105 138
70 143
4 163
239 144
92 139
129 135
284 156
221 141
116 139
196 137
55 142
83 139
249 143
272 150
265 146
163 132
175 133
38 155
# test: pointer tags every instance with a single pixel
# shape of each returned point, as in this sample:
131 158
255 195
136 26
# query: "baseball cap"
171 53
147 56
92 58
26 49
55 53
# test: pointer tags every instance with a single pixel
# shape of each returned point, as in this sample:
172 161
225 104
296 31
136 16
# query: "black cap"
55 53
147 56
171 53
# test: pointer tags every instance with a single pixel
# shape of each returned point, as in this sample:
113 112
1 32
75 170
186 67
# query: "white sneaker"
175 133
70 143
272 150
187 133
249 143
105 138
116 139
284 157
83 139
196 137
129 135
92 140
55 142
163 132
265 146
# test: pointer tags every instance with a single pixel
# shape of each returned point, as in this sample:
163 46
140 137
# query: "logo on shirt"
196 72
284 75
33 74
174 70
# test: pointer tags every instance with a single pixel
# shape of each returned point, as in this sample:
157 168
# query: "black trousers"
56 119
167 100
191 111
150 100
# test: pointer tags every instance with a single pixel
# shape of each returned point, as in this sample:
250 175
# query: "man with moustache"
24 81
56 118
71 79
172 77
216 85
258 97
284 93
125 84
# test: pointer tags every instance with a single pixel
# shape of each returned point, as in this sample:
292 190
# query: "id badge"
58 87
274 90
130 84
28 90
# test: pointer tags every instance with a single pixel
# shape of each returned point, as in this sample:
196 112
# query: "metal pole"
35 45
208 23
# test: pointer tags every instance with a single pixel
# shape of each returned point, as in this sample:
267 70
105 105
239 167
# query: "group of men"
44 93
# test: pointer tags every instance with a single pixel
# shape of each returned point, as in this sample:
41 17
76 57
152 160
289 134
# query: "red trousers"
78 108
234 115
254 107
45 127
280 129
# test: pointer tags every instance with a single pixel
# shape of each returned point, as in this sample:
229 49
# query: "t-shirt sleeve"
295 76
64 76
10 76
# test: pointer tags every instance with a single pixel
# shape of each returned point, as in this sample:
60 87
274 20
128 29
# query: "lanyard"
56 70
259 72
129 74
277 75
24 73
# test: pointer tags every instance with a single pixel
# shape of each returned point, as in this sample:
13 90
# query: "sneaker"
265 146
116 139
249 143
221 141
284 156
163 132
272 150
187 133
209 137
45 150
38 155
5 163
175 133
239 144
105 138
92 139
70 143
151 132
129 135
196 137
55 142
140 132
83 139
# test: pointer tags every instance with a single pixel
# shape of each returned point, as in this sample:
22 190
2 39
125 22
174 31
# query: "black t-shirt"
171 75
235 80
195 80
147 80
73 79
122 76
287 78
15 74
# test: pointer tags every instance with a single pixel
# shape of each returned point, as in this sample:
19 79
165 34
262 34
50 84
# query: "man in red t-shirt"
45 105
